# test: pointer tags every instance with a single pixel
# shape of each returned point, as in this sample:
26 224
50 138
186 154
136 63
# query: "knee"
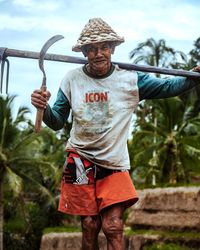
91 224
112 226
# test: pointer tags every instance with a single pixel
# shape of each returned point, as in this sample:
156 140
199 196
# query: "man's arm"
56 116
151 87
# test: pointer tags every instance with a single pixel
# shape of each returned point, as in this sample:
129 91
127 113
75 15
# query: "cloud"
31 5
24 23
159 20
17 23
27 24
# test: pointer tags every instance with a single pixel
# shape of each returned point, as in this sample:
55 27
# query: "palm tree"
192 97
177 144
154 53
157 54
18 145
195 54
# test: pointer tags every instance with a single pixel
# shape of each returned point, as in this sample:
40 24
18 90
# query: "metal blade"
44 49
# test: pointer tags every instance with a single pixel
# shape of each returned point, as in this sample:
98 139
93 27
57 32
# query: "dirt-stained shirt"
102 110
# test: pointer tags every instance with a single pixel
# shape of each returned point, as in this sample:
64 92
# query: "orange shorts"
94 191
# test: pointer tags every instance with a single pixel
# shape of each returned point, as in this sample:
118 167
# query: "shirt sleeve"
56 116
151 87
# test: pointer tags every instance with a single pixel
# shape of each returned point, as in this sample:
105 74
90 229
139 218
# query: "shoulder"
71 76
72 73
131 74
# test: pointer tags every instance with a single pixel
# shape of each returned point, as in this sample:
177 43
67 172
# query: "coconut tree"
157 53
192 97
18 146
177 144
195 54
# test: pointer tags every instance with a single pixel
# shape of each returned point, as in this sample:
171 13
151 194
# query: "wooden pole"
1 211
78 60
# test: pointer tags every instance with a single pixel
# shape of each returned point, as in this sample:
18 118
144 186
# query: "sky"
28 24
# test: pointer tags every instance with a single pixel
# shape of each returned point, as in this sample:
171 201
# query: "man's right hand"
39 99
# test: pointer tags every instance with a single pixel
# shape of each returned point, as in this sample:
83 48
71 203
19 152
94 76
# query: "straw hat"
95 31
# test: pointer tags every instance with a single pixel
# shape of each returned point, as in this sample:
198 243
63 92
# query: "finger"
38 91
47 95
197 69
38 105
38 100
38 95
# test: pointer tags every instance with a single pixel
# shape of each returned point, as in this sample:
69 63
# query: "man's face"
99 57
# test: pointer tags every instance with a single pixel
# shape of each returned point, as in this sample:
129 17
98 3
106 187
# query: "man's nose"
98 51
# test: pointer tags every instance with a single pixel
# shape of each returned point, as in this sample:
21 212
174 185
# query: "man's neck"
98 74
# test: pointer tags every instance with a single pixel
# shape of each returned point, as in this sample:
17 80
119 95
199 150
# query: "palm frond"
14 181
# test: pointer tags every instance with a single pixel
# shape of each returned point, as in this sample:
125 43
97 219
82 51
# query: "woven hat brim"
78 47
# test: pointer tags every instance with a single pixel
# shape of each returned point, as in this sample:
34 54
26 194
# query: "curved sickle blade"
44 49
39 115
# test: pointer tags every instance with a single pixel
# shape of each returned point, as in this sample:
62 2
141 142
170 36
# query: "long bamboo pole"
78 60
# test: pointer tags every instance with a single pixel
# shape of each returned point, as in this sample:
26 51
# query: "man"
96 184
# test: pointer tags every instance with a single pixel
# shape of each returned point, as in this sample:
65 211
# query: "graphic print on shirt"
96 112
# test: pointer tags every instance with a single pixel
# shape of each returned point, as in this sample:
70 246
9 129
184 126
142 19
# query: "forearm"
52 119
176 86
56 116
154 88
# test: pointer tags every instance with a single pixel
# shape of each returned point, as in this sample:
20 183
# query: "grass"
165 246
173 235
69 229
129 232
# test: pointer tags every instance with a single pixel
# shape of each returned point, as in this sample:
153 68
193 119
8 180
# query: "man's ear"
112 46
84 51
113 49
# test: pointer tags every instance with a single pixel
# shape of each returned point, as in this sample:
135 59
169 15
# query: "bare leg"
112 225
91 225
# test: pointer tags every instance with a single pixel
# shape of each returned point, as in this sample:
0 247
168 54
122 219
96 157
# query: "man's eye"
105 47
91 49
95 49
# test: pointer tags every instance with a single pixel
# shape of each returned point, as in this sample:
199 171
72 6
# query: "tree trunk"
1 213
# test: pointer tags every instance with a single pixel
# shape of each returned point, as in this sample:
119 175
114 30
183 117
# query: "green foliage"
165 246
169 149
31 167
157 53
15 225
195 54
21 241
168 239
175 235
165 145
61 229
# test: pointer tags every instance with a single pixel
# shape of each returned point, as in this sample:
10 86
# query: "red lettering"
86 97
104 96
96 97
91 95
